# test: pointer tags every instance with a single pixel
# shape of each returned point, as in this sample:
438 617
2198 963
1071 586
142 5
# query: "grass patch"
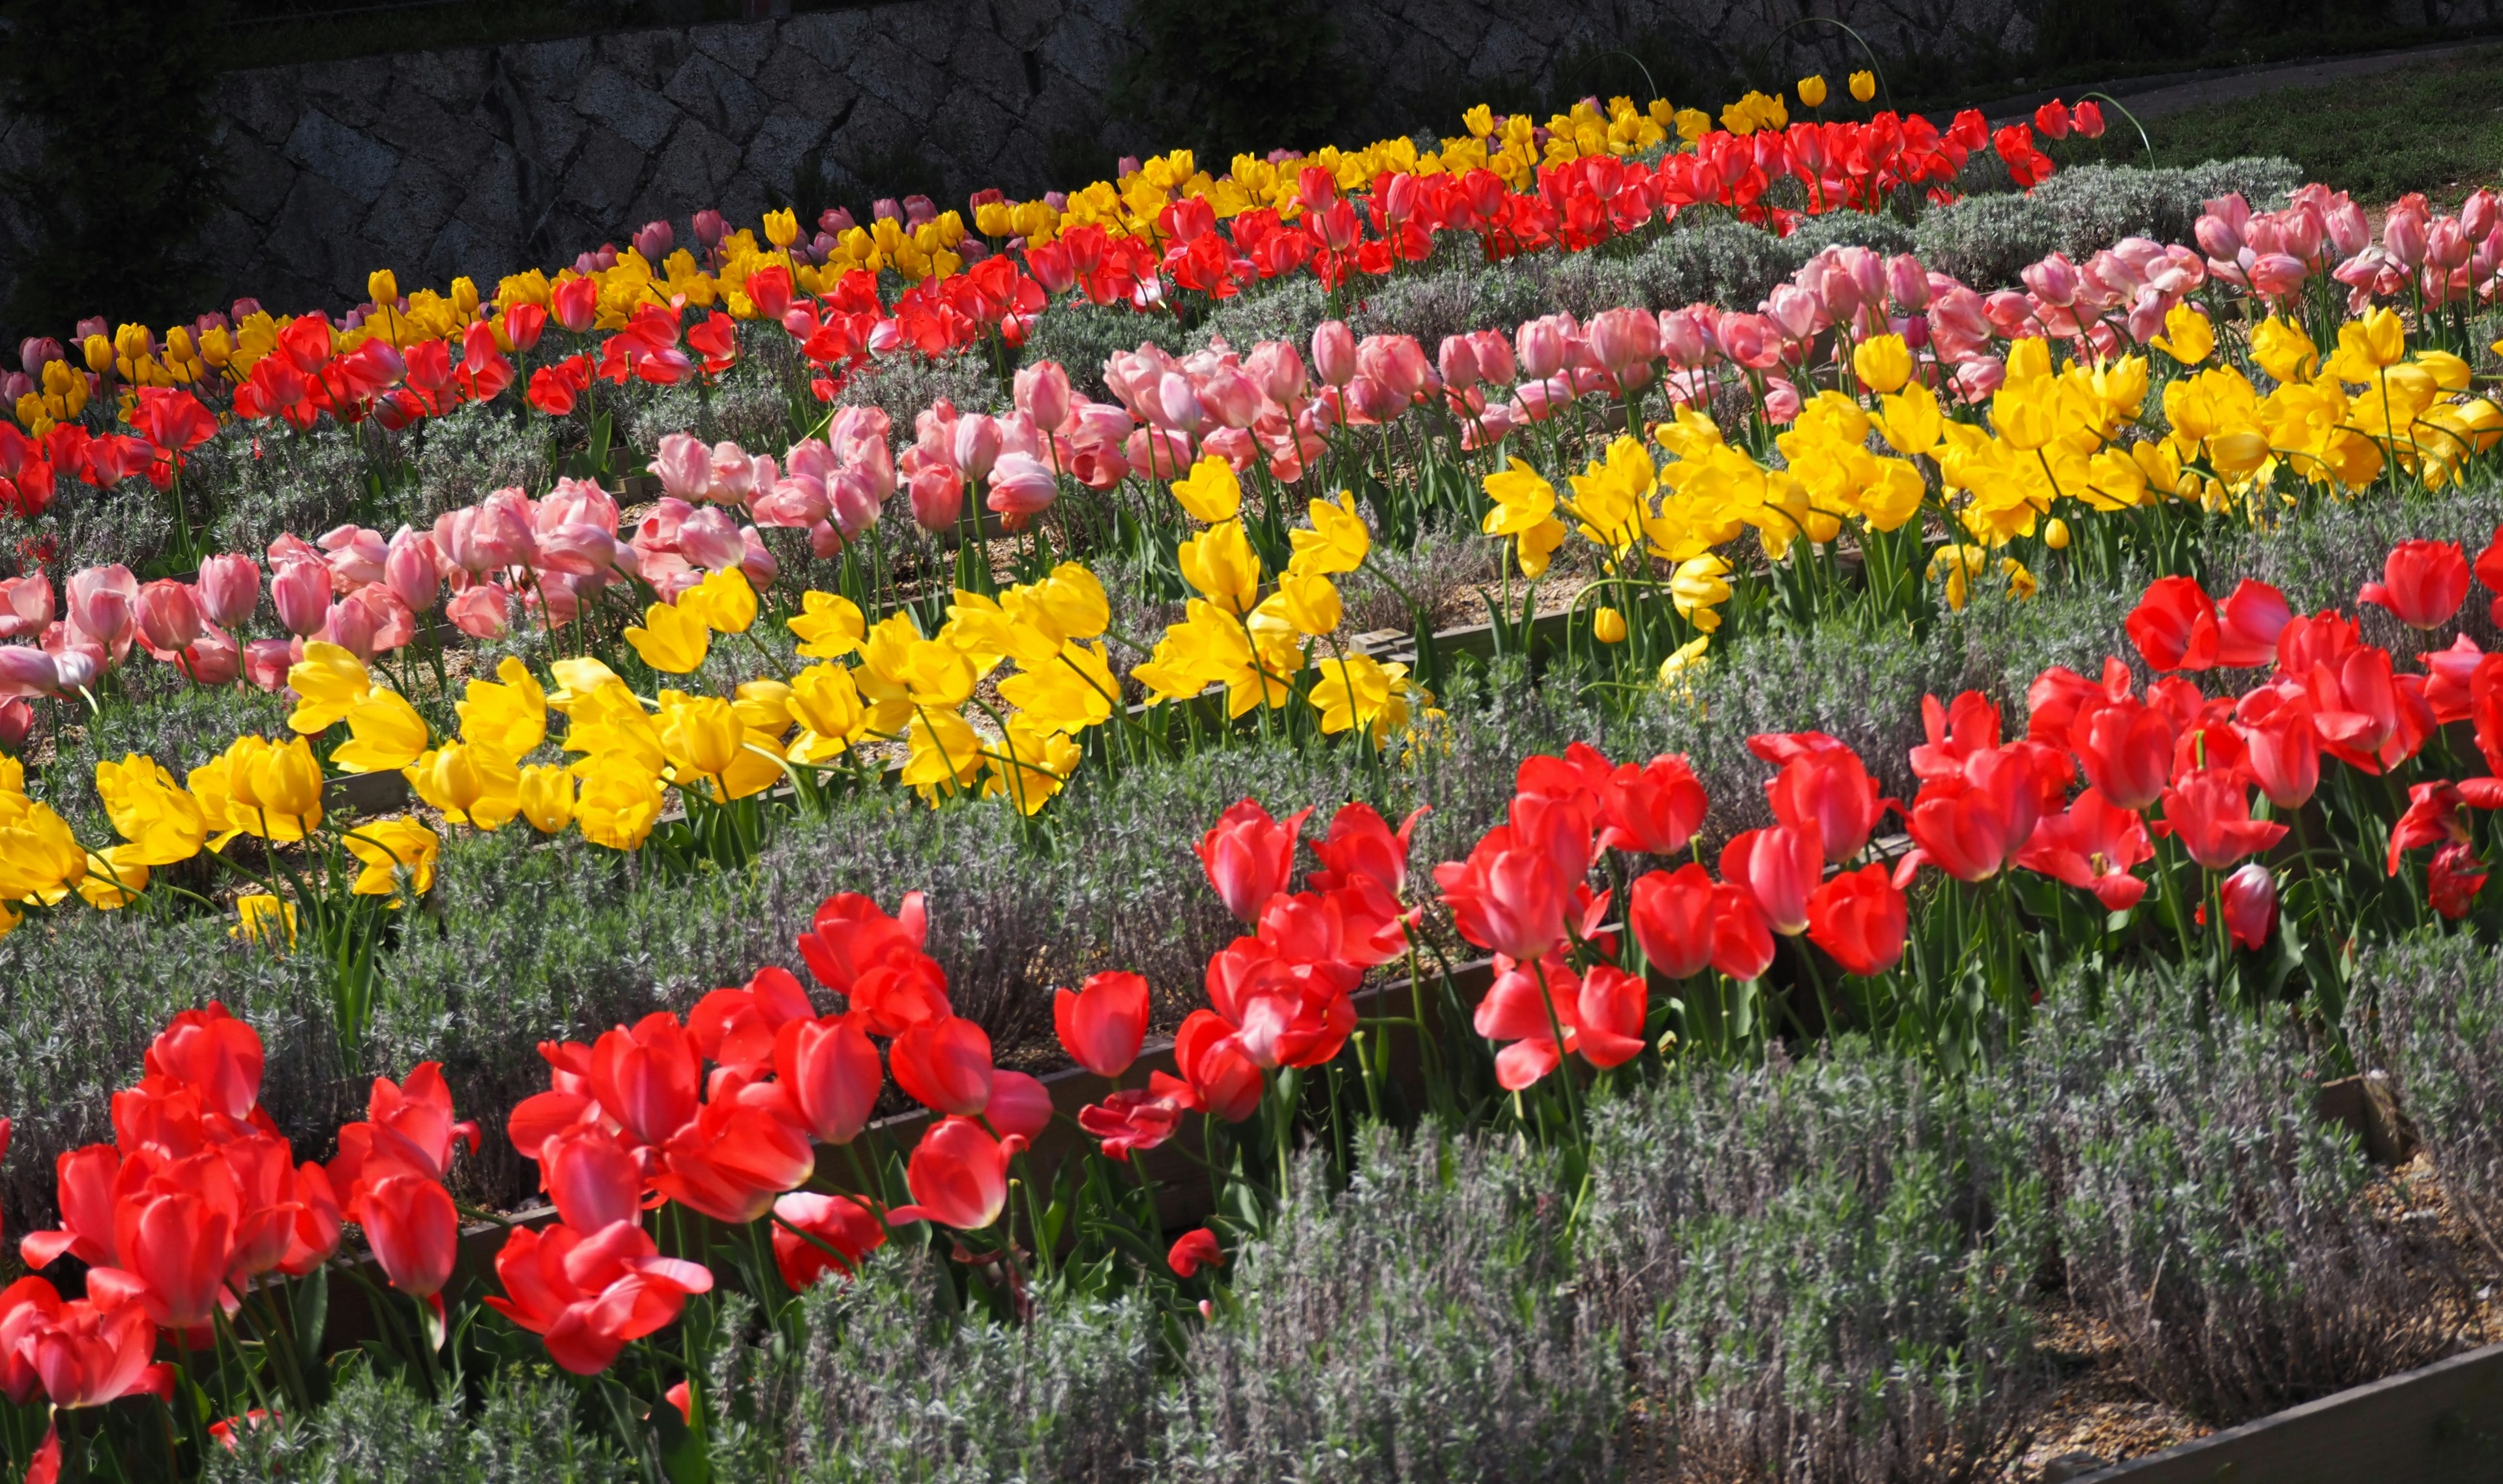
2435 126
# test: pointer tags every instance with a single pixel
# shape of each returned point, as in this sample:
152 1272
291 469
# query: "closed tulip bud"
382 287
1608 625
1334 353
169 616
16 723
1493 355
1541 343
1042 394
654 240
1811 91
1457 361
98 352
300 591
710 228
1864 85
2249 900
26 670
410 571
36 351
228 589
576 303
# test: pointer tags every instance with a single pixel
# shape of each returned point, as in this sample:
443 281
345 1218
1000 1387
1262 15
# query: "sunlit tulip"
1250 856
1192 1251
1858 918
807 1224
958 1175
1778 866
2211 814
2423 584
944 1065
228 589
1101 1022
2250 898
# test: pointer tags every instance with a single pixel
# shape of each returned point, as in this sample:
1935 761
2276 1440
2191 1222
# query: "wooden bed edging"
2439 1425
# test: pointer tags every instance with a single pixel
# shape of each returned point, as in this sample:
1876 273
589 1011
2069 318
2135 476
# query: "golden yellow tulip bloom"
386 732
329 681
1882 363
2187 335
1210 492
1864 85
1221 563
546 798
829 626
162 823
261 917
388 847
1811 91
115 878
723 600
1337 541
1608 625
672 640
618 806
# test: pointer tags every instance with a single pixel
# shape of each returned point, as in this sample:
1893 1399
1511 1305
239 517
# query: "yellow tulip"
700 736
509 717
386 732
329 682
1811 91
781 227
273 791
162 823
1910 420
2283 351
115 878
723 601
1337 542
388 847
1030 765
1210 492
546 798
827 704
1864 85
764 706
1883 363
382 286
2187 336
829 626
1308 603
2055 534
1698 587
1360 692
672 641
1073 691
470 784
618 806
261 917
40 860
1608 625
1221 563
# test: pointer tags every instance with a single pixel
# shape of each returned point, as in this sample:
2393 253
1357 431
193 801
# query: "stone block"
1084 49
356 162
742 48
601 179
637 113
926 30
257 177
1023 23
710 91
773 155
647 56
800 84
550 69
411 211
492 203
350 90
265 100
982 60
416 124
454 78
556 132
688 176
886 70
829 38
310 238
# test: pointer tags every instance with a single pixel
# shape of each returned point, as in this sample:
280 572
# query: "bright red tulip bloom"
27 1306
734 1158
1651 809
2092 846
595 1181
2249 623
1969 726
1193 1251
2489 569
2432 815
1250 856
830 1070
1971 825
843 1223
88 1181
1102 1021
177 1246
1560 823
575 302
318 1218
588 1296
1778 866
2052 702
1670 913
1610 1015
1222 1076
210 1051
1362 844
1830 794
1508 900
2125 749
648 1077
851 933
1858 918
1130 1119
1742 945
91 1353
944 1065
2248 896
1528 1005
419 1111
736 1027
415 1231
2450 679
1020 1105
958 1175
2211 814
2453 880
2175 625
2280 747
2423 584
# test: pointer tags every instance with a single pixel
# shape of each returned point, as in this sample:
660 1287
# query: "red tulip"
595 1180
1653 807
944 1065
737 1026
2251 620
647 1078
1509 900
2125 749
2432 815
2210 813
1193 1251
830 1070
1528 1005
1970 825
316 1233
1020 1105
2092 846
2423 584
1223 1078
1670 913
1102 1021
1362 844
2051 705
1129 1118
27 1306
958 1175
2280 747
1779 867
1742 946
1611 1011
2248 896
574 302
1857 918
210 1051
1830 793
177 1246
2451 881
2450 679
2175 625
419 1111
91 1353
734 1158
1250 856
588 1296
843 1223
415 1232
85 1179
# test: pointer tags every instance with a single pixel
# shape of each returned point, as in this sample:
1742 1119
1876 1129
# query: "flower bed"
2208 508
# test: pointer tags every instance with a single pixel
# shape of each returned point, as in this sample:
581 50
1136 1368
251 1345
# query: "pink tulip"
2404 231
1042 392
481 611
410 571
757 562
169 616
2276 275
1625 339
25 670
214 658
1399 362
2053 280
1541 343
683 465
300 591
228 589
1494 357
1023 487
938 494
1334 351
350 624
16 722
25 606
103 604
1230 396
266 660
354 556
710 538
